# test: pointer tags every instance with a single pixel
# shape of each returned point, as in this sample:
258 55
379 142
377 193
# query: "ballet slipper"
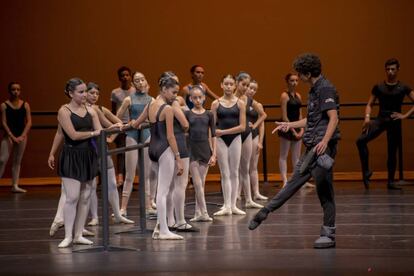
93 222
202 218
55 227
186 227
124 220
260 197
65 243
253 205
169 236
87 233
17 189
223 212
237 211
153 205
150 211
123 212
82 240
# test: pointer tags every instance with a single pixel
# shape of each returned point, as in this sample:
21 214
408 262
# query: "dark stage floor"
375 233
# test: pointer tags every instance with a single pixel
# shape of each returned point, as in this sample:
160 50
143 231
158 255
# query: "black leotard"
181 139
293 114
199 135
79 159
252 116
228 117
248 129
16 119
158 142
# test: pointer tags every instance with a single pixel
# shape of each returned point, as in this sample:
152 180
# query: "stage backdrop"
46 42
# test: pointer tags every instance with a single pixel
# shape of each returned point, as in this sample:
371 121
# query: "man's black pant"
324 187
376 127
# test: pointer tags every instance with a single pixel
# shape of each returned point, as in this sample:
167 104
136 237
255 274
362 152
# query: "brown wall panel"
46 42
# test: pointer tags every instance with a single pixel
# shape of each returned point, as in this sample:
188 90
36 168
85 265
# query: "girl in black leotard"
106 119
162 150
17 121
290 102
230 116
176 197
242 83
202 149
256 123
78 161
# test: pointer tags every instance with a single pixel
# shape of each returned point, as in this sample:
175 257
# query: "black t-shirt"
390 97
322 97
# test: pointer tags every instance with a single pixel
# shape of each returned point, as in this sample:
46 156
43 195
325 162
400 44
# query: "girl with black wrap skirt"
78 161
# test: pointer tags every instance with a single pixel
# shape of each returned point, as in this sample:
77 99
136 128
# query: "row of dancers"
171 154
231 133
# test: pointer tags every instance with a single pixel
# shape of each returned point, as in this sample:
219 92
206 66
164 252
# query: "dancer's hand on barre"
282 126
114 126
125 126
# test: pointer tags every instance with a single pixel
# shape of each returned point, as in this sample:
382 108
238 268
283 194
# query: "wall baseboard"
272 177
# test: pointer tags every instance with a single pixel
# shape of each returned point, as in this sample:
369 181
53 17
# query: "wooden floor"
375 233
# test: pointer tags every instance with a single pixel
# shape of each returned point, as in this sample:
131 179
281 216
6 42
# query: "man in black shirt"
390 95
320 138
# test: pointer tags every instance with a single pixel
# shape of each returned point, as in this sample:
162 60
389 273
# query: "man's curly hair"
308 63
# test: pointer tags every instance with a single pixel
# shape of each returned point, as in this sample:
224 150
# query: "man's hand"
282 126
320 148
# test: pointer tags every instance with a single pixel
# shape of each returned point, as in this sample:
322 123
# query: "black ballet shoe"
366 179
172 228
392 186
258 218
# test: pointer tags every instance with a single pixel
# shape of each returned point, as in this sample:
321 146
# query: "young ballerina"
230 117
78 161
290 103
117 96
202 149
17 121
107 120
242 84
58 221
176 197
256 123
163 149
135 104
197 75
